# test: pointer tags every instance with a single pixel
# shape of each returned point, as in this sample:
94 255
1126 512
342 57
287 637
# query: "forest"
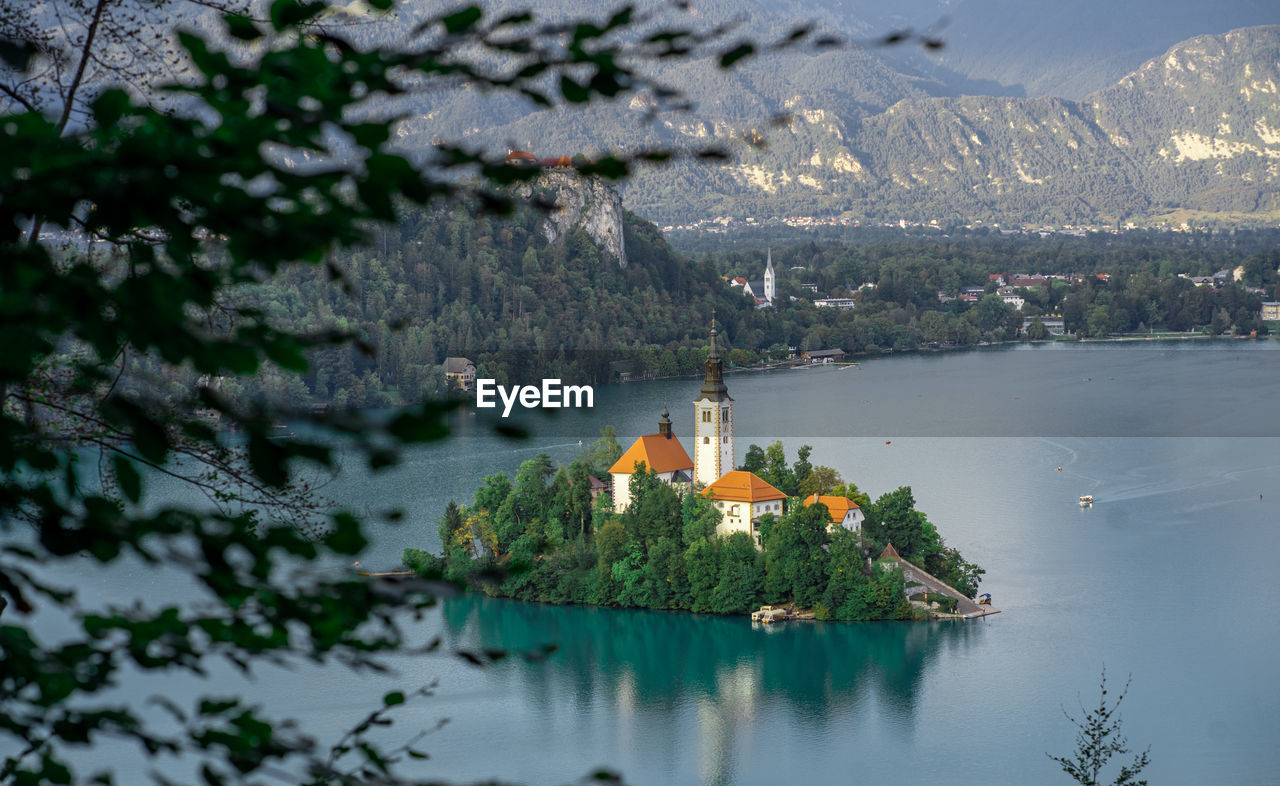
459 282
539 537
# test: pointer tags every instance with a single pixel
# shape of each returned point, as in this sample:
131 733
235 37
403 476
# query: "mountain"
1030 48
841 132
1071 49
1194 129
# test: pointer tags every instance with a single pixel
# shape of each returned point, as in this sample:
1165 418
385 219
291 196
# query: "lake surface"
1168 578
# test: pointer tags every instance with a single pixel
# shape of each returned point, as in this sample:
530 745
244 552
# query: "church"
741 497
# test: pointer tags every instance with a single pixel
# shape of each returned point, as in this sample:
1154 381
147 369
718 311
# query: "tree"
821 480
601 454
1098 740
160 207
894 519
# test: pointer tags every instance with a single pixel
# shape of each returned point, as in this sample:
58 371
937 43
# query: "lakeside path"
965 607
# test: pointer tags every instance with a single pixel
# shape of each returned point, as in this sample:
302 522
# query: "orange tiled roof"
839 507
742 486
658 454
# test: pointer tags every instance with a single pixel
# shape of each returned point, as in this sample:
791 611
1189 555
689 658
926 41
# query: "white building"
713 453
742 498
660 452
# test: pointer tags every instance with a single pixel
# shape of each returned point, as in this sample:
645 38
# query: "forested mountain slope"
494 289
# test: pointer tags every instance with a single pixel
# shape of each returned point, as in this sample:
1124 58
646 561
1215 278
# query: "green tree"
821 480
603 453
699 519
187 205
739 581
701 563
893 519
1098 740
796 556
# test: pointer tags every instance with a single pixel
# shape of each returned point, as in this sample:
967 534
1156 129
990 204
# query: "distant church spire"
770 279
664 423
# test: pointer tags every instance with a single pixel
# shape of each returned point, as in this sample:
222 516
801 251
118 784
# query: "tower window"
706 440
726 439
706 416
726 416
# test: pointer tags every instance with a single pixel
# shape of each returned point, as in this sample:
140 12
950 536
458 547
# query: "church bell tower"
712 422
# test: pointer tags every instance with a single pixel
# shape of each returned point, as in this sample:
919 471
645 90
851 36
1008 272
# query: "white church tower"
713 421
770 290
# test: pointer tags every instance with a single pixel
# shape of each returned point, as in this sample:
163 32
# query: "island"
696 533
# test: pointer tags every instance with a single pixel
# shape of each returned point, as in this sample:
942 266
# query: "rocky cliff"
588 203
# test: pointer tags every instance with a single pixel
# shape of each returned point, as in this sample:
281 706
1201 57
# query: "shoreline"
859 357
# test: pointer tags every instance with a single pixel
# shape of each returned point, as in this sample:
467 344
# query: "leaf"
289 13
737 53
346 537
16 54
210 776
573 92
462 21
393 698
128 478
267 460
242 28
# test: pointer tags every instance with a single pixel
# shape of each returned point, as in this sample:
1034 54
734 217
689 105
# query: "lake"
1167 578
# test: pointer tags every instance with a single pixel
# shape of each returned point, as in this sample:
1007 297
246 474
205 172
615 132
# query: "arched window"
706 440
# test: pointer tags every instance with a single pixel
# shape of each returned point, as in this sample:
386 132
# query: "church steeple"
713 382
712 421
770 279
664 423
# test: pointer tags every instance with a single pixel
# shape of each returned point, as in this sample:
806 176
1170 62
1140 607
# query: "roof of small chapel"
658 454
838 507
742 486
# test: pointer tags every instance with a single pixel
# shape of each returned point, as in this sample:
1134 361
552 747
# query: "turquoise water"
1167 578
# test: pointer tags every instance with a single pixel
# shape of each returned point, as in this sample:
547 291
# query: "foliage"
137 223
663 552
1098 740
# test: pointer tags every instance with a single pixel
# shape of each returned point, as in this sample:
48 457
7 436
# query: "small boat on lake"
1086 501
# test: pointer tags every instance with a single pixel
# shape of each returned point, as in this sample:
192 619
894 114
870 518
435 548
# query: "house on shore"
460 373
844 511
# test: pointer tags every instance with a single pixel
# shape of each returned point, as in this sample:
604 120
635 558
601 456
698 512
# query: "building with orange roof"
660 452
844 511
742 498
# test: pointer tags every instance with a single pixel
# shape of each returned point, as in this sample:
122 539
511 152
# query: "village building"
743 498
1054 323
662 453
842 303
460 373
824 355
844 511
765 290
1270 311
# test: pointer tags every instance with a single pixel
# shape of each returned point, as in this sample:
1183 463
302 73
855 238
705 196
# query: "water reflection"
658 673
